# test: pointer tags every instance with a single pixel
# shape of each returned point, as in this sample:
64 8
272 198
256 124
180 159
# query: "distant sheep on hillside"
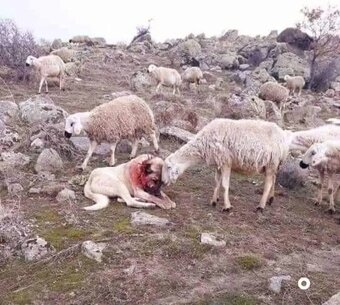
274 92
294 83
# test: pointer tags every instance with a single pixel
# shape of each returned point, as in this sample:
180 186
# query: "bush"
325 73
15 46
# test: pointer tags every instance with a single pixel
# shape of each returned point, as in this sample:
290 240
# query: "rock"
71 69
330 93
230 35
36 248
34 190
180 134
66 54
334 300
114 95
46 176
291 175
37 144
275 282
56 44
335 85
93 250
39 109
140 80
14 188
190 48
8 138
66 195
49 161
304 114
99 41
8 111
289 63
295 37
210 239
13 159
243 67
142 218
228 61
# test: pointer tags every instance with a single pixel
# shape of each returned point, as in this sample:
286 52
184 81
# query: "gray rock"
93 250
8 138
41 109
142 218
49 161
71 68
175 132
190 48
8 111
66 195
140 80
243 67
14 189
211 239
34 190
37 144
56 44
275 282
295 37
15 159
36 248
227 61
334 300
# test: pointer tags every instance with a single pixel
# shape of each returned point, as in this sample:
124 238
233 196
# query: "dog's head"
151 175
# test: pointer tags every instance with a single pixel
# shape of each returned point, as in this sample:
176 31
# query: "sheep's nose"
68 135
303 164
27 64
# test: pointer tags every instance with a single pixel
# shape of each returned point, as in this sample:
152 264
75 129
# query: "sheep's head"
73 125
314 156
286 77
171 170
151 68
29 61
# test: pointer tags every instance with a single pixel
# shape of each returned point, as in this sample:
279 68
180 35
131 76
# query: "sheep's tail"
333 121
101 201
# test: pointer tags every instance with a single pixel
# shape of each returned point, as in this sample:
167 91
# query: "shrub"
15 46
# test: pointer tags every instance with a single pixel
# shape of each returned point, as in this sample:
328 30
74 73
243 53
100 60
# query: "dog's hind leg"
102 202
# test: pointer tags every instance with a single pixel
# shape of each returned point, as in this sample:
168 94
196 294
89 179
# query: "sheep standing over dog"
136 180
294 83
325 157
274 92
192 75
48 66
166 77
246 146
126 117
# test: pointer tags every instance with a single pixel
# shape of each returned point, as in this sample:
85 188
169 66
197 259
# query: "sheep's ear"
146 165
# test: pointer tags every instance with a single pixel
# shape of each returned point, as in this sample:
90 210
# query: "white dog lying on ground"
136 182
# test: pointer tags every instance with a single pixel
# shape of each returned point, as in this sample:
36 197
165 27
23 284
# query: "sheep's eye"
72 124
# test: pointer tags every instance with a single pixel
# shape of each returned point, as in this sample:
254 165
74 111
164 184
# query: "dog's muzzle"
303 164
67 134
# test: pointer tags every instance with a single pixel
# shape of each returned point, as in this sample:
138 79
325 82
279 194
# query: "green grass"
123 226
229 299
249 262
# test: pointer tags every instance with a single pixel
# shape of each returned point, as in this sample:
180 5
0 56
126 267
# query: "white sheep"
245 146
192 75
294 83
81 39
325 157
166 76
66 54
48 66
274 92
126 117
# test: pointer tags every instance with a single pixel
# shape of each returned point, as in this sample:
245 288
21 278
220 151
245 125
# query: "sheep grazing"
166 77
325 157
81 39
192 75
48 66
246 146
274 92
294 83
126 117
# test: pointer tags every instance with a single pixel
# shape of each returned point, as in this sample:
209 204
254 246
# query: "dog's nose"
303 164
27 64
67 134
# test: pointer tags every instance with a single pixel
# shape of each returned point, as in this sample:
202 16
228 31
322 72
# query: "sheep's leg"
218 180
331 194
268 183
226 170
174 91
134 149
158 87
179 92
61 82
40 85
300 89
320 193
155 142
46 85
92 147
113 150
272 192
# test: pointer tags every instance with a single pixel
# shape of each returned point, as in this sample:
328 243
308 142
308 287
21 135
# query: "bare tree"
141 31
323 26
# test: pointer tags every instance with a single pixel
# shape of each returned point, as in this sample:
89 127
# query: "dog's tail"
101 201
333 121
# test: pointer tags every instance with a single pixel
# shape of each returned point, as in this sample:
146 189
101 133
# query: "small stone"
92 250
334 300
36 248
34 190
275 282
49 161
66 195
210 239
37 144
15 159
142 218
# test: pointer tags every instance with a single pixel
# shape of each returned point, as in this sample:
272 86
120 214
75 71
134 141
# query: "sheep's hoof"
259 209
270 201
227 209
156 152
331 211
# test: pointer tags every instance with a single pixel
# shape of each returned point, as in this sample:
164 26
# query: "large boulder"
140 80
296 38
227 61
289 63
56 44
49 161
8 111
190 48
40 110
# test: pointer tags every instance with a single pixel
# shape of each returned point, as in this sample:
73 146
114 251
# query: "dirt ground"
168 265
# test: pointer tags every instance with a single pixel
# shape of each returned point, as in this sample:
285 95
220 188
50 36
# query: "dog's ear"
146 167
